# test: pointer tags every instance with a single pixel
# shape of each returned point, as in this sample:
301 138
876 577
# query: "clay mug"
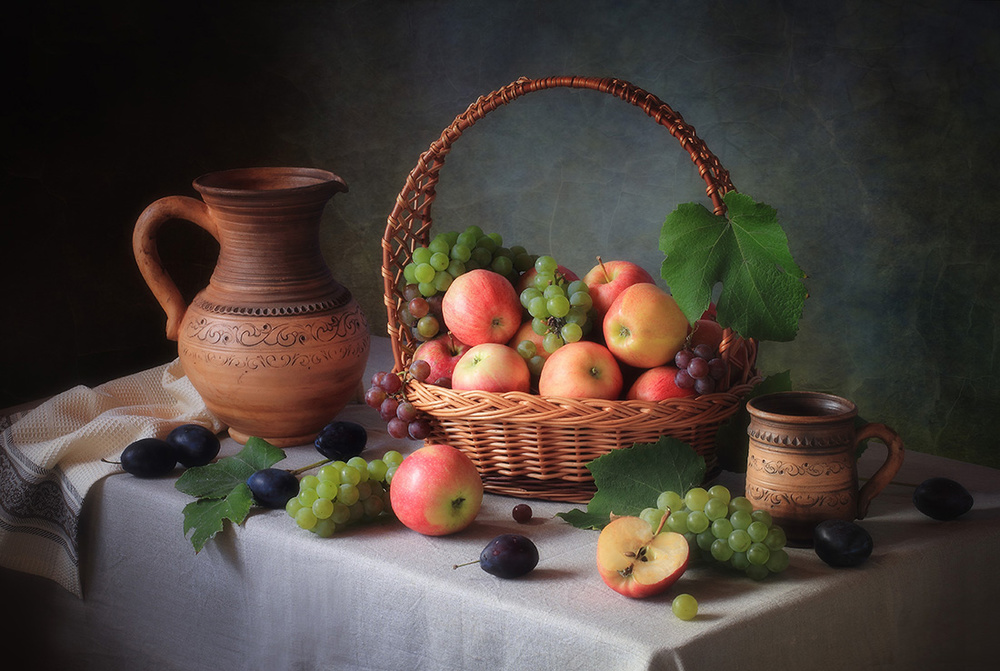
802 464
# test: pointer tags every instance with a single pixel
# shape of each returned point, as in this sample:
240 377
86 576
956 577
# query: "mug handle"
887 471
148 258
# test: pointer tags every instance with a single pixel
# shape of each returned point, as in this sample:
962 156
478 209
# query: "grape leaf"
631 479
207 516
221 490
746 251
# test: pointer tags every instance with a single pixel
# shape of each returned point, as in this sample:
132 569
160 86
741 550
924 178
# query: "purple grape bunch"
387 395
701 368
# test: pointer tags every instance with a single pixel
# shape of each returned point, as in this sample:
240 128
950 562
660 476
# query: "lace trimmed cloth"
51 455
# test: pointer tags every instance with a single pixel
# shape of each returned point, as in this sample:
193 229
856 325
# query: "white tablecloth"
270 596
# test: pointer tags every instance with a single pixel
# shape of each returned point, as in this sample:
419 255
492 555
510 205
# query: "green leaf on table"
631 479
206 517
745 250
221 490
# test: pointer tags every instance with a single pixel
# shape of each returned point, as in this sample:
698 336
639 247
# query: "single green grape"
757 572
364 490
307 497
481 256
669 501
527 349
391 471
327 490
348 494
305 518
329 473
461 252
325 528
341 513
577 286
373 506
535 365
439 244
538 308
422 255
720 492
582 300
427 289
293 506
740 540
442 280
527 295
322 508
706 539
487 243
361 466
741 519
758 531
409 273
439 260
424 272
377 469
571 332
678 521
502 265
553 290
716 508
740 503
763 517
349 475
721 551
684 607
558 306
778 561
697 521
739 561
308 482
776 538
456 268
551 342
758 554
392 458
696 498
546 264
542 280
722 527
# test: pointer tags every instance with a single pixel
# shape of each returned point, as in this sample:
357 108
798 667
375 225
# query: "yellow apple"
645 327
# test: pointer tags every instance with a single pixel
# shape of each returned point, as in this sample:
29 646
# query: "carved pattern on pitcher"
353 350
790 468
782 439
769 498
278 334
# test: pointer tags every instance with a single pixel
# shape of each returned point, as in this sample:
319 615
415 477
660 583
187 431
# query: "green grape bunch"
433 267
723 529
560 309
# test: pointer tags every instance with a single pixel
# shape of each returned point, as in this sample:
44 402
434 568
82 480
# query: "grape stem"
299 471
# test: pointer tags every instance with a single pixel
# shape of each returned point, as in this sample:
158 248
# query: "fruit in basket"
841 543
559 308
706 332
701 369
491 367
195 445
149 458
527 278
609 278
481 306
341 440
581 369
657 384
441 354
387 395
634 560
942 498
644 327
436 490
273 487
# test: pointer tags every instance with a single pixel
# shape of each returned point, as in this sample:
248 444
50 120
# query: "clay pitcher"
802 464
274 345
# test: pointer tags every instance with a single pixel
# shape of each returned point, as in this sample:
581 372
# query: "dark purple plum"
841 543
195 445
272 487
942 499
149 458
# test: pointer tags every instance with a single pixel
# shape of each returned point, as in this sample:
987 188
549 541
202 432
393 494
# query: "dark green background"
870 127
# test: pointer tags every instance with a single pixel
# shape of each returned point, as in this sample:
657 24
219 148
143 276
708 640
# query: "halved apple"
634 561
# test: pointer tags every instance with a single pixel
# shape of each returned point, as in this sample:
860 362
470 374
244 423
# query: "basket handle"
412 211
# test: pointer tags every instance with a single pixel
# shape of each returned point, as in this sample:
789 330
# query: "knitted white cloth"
51 455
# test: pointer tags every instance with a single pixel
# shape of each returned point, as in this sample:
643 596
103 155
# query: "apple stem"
600 262
662 522
468 563
299 471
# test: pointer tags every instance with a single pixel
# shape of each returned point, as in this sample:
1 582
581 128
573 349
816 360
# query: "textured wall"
868 125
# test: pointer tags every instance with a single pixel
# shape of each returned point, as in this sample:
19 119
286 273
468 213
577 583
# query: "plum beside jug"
274 345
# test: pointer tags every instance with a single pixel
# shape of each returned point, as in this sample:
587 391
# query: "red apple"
581 369
608 279
491 367
436 490
657 384
528 276
442 353
634 561
481 306
645 327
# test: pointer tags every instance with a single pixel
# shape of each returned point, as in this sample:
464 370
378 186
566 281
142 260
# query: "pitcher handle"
148 258
887 471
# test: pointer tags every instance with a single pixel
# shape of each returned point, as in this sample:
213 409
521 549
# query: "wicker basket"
527 445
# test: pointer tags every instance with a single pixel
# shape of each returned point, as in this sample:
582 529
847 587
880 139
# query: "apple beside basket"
533 446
